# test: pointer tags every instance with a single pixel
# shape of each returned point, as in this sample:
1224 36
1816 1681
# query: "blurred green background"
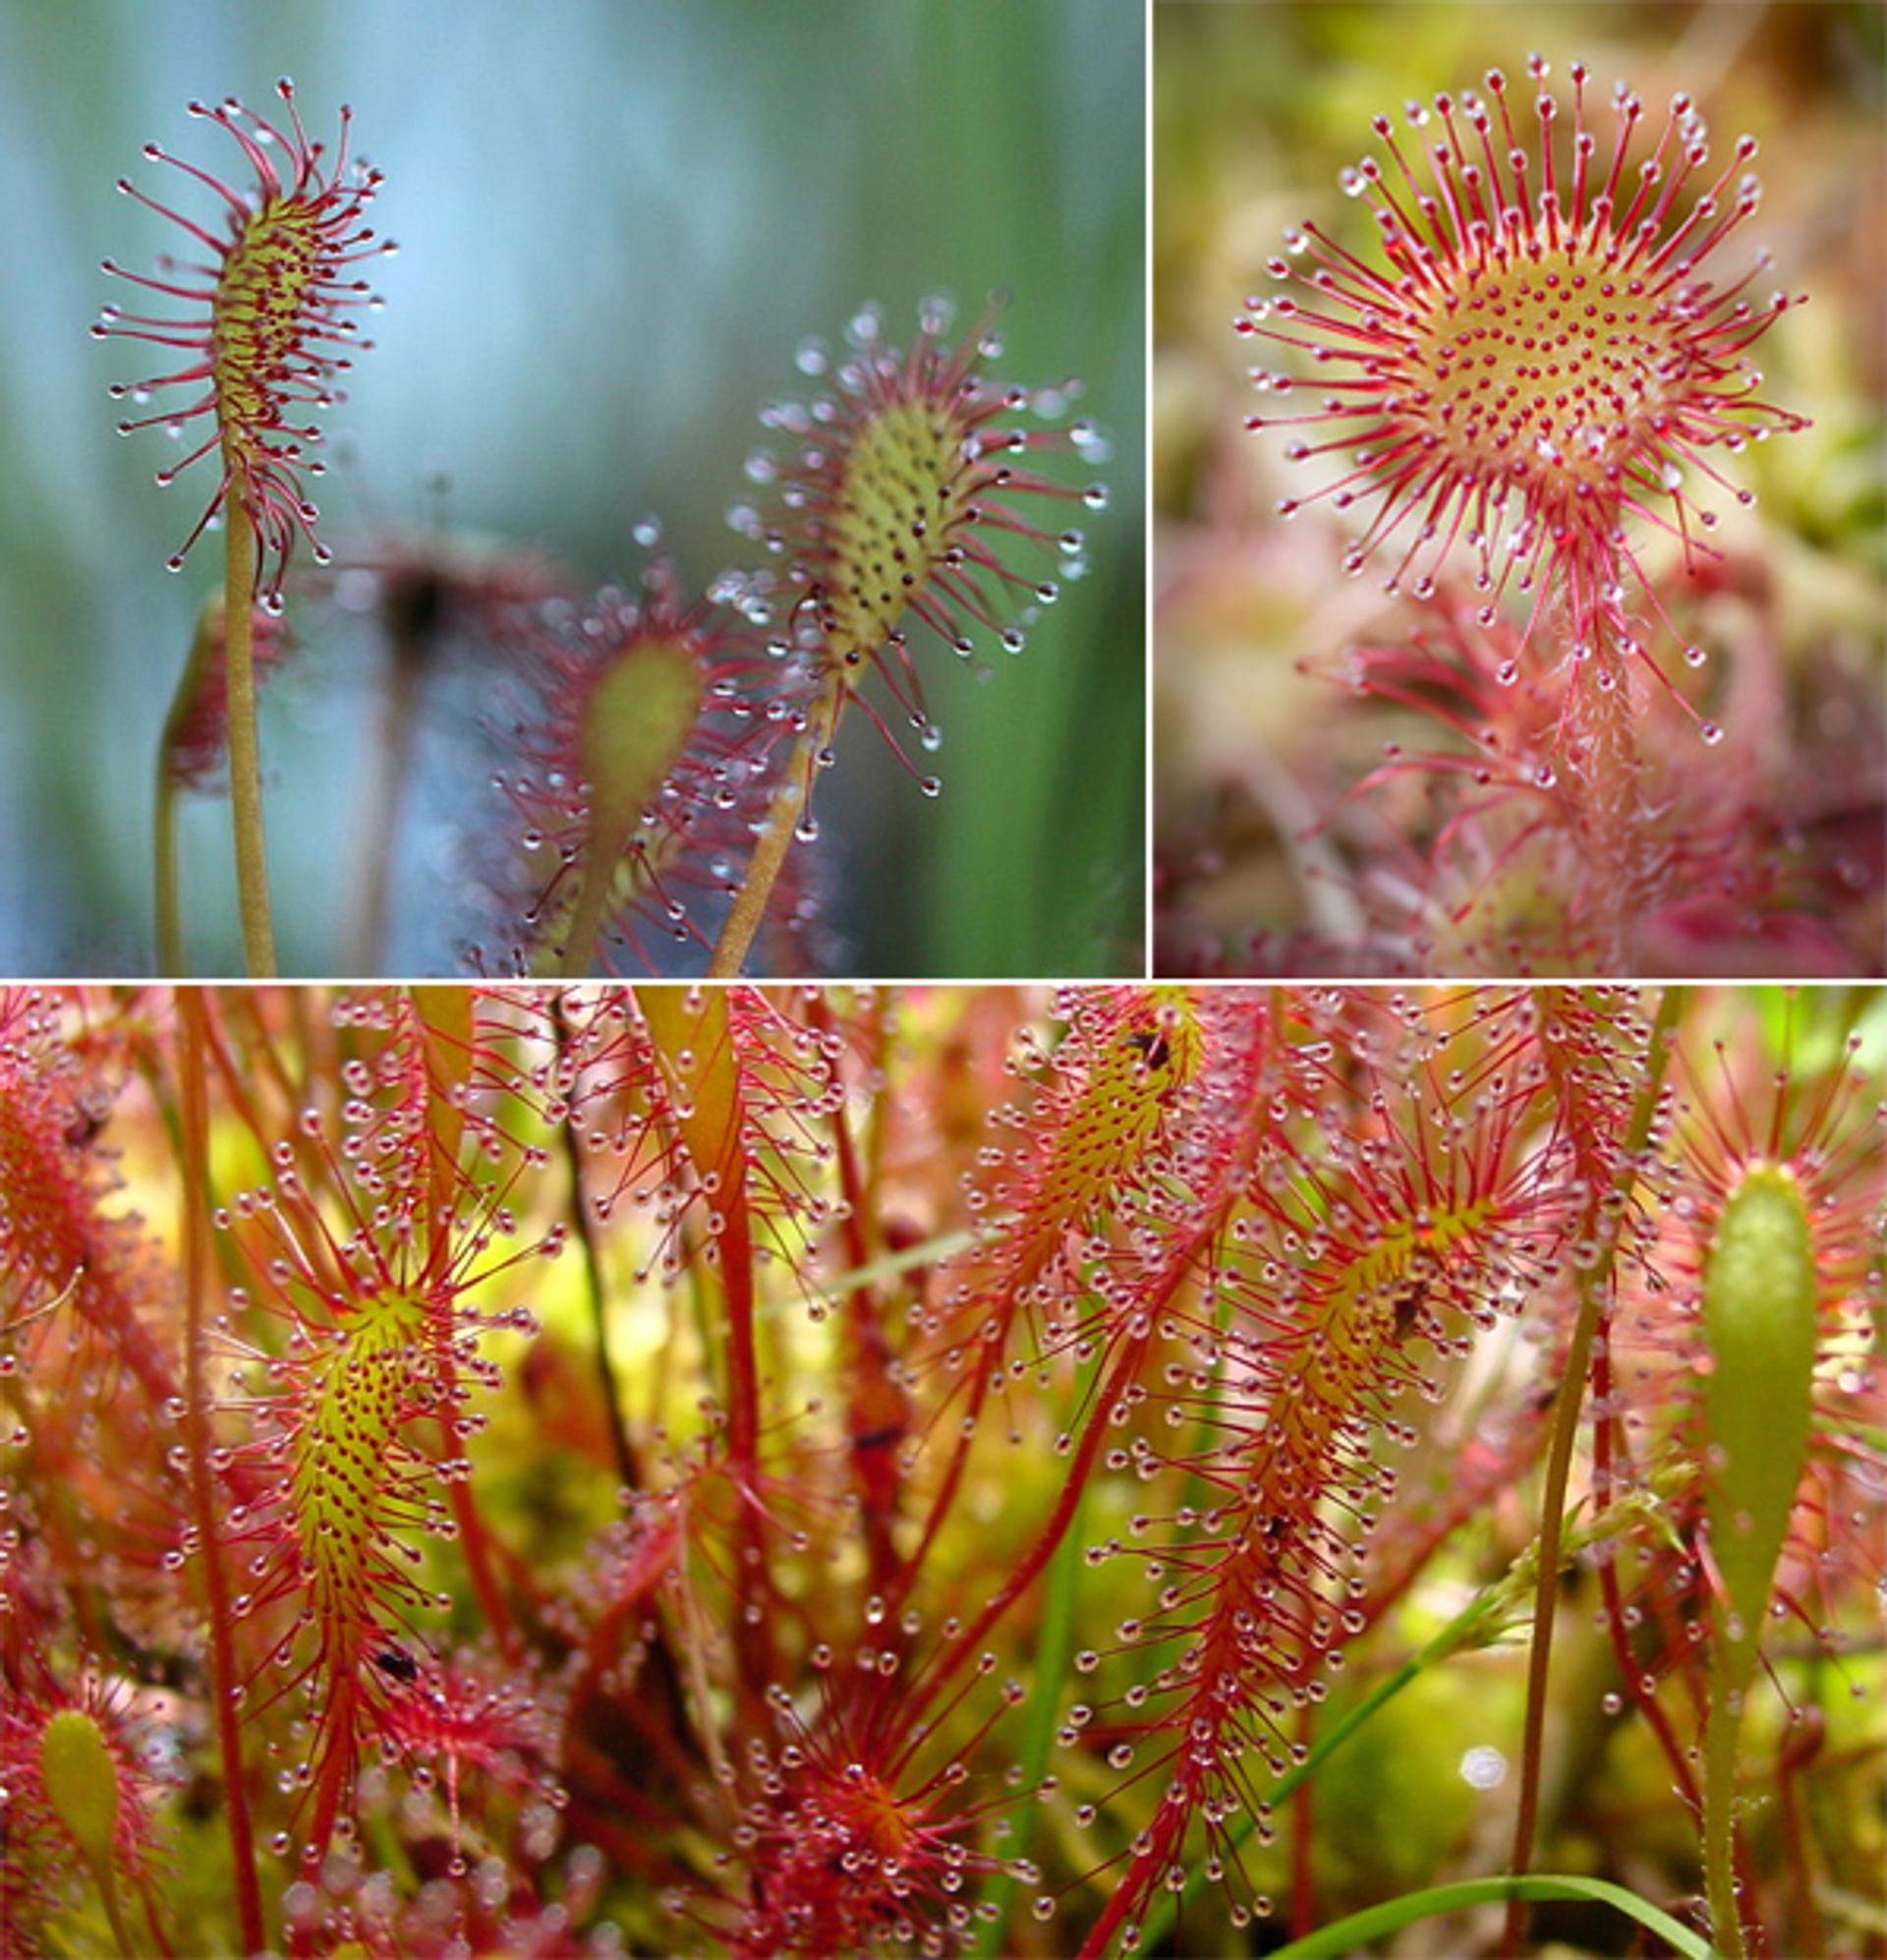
617 220
1257 108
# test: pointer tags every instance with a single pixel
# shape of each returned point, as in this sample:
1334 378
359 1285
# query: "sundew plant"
615 580
1518 385
762 1473
668 748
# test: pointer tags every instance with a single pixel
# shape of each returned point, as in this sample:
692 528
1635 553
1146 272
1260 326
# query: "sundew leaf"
1759 1327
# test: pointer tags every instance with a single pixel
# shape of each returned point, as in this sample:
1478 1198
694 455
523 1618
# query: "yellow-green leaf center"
904 491
258 312
632 731
80 1781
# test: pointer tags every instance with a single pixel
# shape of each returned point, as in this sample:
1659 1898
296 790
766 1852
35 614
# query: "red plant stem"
752 1637
160 1941
1155 1845
858 1208
446 1018
694 1039
693 1036
743 1370
235 1082
948 1486
878 1411
476 1544
944 1497
222 1643
1127 1365
1599 1224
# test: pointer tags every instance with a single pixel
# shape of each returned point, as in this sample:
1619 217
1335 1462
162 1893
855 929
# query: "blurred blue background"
617 220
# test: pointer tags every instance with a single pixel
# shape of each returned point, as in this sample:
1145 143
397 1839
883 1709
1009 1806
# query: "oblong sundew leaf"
1760 1330
81 1782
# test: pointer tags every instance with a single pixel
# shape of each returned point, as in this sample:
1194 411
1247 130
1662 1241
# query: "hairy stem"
107 1882
1595 1290
244 760
694 1038
1722 1728
1603 764
790 801
606 846
878 1409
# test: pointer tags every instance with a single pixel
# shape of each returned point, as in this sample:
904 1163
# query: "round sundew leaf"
1529 375
80 1781
1759 1328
